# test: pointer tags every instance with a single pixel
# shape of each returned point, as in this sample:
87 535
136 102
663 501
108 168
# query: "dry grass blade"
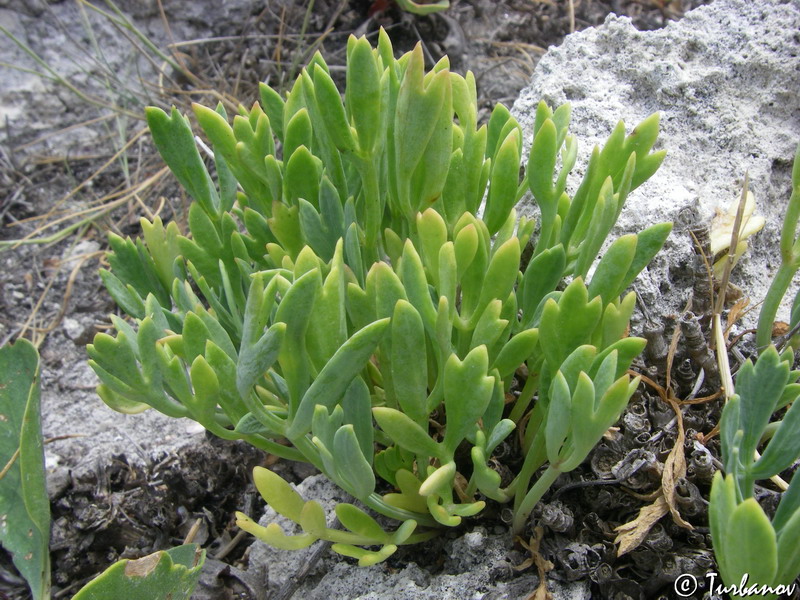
719 306
631 534
107 203
41 332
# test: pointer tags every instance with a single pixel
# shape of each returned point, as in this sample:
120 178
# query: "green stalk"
340 536
376 503
525 397
275 448
372 210
777 289
521 482
523 511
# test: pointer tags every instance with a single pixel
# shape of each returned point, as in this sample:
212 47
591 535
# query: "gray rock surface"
724 80
32 106
465 567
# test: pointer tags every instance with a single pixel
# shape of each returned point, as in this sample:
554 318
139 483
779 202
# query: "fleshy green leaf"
336 376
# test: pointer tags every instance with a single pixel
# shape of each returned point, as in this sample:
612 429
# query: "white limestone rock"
724 80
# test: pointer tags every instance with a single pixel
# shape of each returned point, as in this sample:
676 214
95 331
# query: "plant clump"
352 293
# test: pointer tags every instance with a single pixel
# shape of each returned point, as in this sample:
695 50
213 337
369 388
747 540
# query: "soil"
145 498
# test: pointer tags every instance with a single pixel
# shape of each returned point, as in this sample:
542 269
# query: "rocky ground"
104 477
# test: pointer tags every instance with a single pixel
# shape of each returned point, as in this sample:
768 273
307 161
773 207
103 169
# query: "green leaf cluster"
351 292
745 540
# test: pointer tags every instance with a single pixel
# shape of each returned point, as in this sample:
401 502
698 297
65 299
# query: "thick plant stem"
525 397
781 283
372 208
535 494
533 460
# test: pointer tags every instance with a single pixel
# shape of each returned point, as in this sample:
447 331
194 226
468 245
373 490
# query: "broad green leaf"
504 182
789 551
24 506
497 120
759 387
357 408
750 545
330 106
439 480
164 575
467 391
405 432
454 191
312 519
648 243
611 270
433 235
541 167
412 274
568 323
516 351
299 132
559 415
408 361
465 246
337 375
279 495
353 469
295 310
789 505
541 277
784 447
124 295
175 142
303 175
360 523
416 116
489 326
616 318
500 276
429 176
272 104
363 94
722 503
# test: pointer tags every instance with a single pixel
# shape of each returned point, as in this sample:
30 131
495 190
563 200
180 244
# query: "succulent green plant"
352 293
745 541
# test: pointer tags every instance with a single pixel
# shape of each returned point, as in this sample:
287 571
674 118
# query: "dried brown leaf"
631 534
674 469
543 566
780 328
737 311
